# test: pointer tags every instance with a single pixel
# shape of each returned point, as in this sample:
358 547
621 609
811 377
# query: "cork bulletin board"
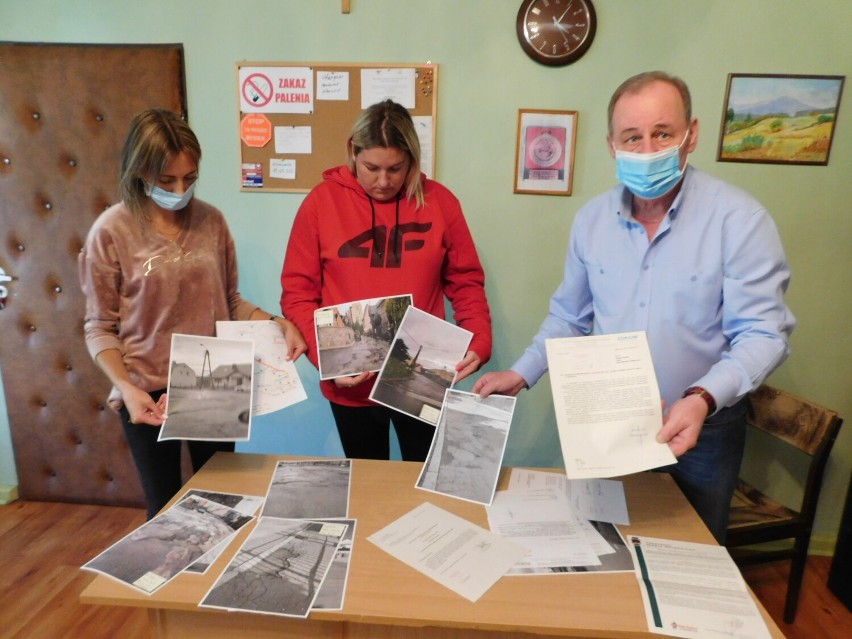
295 118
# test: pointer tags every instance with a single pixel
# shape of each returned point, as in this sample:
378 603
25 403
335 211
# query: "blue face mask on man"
649 175
169 201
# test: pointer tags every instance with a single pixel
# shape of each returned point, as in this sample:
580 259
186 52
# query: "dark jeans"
707 474
365 432
158 463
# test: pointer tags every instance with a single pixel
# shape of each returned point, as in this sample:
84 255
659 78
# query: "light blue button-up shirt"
708 290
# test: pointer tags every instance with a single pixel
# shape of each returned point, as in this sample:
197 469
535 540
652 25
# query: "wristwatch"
705 395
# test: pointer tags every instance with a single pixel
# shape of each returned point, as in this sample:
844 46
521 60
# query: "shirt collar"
624 203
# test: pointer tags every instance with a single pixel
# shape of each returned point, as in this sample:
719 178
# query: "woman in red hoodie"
377 227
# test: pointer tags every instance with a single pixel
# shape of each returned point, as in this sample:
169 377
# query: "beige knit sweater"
141 288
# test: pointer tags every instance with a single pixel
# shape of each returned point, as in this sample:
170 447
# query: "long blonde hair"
389 125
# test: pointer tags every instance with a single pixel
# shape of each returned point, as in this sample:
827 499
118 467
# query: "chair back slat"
792 419
757 519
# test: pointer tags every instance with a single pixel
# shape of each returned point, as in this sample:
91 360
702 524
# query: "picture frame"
779 118
544 151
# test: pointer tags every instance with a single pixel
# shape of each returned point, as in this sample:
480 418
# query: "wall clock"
556 32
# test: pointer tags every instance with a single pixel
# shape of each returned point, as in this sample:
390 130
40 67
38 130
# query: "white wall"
484 78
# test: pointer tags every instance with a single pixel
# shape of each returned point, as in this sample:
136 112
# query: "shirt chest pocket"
610 292
696 298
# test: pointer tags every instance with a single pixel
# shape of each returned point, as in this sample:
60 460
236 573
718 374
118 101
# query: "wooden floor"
42 546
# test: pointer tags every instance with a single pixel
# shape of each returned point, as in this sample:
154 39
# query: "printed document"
565 523
457 554
694 590
607 405
596 499
548 527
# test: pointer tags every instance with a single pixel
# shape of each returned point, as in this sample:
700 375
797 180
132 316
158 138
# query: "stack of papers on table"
294 560
567 525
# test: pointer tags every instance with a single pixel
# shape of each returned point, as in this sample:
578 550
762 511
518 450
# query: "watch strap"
704 394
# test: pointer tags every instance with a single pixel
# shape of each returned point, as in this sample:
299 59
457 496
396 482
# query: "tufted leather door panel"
64 112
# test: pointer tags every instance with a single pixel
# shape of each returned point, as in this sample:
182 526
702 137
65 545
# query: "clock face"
556 32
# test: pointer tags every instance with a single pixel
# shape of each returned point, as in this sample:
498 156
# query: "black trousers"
158 463
365 432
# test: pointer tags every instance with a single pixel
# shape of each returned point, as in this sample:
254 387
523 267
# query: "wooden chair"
756 518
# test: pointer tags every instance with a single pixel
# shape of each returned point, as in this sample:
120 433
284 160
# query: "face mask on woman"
167 200
649 175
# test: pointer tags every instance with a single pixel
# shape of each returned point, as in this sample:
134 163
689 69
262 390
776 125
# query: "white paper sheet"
546 525
293 139
457 554
395 84
332 85
276 89
607 404
282 169
276 381
694 590
423 126
596 499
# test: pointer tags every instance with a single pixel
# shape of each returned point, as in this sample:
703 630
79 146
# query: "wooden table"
387 599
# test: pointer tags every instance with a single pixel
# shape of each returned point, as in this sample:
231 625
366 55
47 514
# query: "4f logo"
385 250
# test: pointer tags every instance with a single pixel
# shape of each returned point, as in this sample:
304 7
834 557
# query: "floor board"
43 546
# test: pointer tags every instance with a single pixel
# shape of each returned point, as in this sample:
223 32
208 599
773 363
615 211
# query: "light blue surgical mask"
169 201
649 175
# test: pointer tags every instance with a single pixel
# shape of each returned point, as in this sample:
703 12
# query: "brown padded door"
64 112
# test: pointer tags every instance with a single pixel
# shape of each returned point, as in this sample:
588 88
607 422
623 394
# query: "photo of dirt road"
421 365
355 337
279 568
209 389
313 489
467 451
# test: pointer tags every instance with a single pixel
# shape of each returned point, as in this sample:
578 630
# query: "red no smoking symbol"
257 89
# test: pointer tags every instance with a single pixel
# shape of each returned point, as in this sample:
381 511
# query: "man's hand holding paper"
607 403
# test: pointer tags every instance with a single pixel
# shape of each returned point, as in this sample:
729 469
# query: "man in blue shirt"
695 263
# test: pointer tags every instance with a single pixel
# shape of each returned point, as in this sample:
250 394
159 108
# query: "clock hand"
563 13
558 25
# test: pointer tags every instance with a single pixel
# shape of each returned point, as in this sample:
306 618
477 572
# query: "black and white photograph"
421 365
311 489
467 450
279 569
210 389
355 337
246 504
333 589
154 553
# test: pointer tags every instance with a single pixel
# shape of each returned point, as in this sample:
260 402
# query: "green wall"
484 78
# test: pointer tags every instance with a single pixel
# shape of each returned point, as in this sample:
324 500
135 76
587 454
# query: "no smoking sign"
258 90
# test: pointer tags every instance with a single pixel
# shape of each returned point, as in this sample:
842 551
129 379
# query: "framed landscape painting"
779 119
